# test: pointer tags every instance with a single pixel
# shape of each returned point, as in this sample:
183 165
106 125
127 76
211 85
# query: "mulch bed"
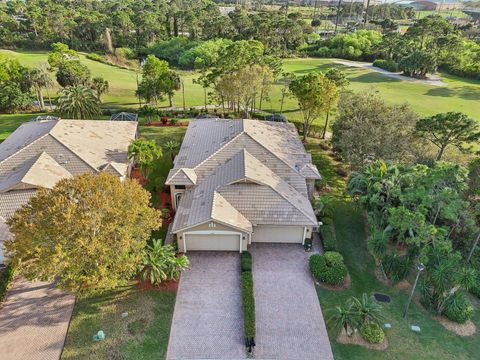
357 339
171 285
343 286
466 329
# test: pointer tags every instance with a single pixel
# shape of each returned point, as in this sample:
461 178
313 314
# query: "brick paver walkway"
34 321
290 324
207 320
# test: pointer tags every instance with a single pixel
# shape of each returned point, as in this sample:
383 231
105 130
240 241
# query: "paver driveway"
290 323
34 321
207 320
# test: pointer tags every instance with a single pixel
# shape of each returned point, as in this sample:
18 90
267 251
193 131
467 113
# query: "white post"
184 243
241 241
304 234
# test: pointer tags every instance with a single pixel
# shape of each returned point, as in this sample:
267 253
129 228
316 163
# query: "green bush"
475 290
373 333
246 261
328 268
6 277
96 57
388 65
458 308
328 236
397 267
248 301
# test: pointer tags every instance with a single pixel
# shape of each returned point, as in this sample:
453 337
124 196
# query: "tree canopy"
88 232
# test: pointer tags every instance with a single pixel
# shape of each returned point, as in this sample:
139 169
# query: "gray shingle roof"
40 153
266 158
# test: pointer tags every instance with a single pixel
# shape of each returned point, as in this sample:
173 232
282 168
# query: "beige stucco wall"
212 226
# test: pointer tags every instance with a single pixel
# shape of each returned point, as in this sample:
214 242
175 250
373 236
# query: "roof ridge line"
219 149
271 152
284 182
15 153
73 152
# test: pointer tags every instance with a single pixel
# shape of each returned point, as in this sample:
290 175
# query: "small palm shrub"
458 308
396 267
328 268
160 263
246 261
373 333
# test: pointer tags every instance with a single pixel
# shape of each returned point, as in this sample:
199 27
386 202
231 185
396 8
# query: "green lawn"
434 342
143 334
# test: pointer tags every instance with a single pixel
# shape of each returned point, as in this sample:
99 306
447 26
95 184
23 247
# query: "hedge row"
248 300
6 277
328 235
246 261
388 65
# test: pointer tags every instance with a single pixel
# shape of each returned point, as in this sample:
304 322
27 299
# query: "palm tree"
100 86
40 78
78 102
143 152
345 317
160 263
172 147
367 309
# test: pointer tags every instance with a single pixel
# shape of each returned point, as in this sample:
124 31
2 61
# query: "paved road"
290 324
34 321
207 320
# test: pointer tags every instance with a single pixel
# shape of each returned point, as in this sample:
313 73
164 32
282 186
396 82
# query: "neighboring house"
40 153
235 182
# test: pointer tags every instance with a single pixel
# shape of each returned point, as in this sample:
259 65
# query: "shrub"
396 267
388 65
6 277
475 290
173 121
328 236
248 301
246 261
96 57
373 333
328 268
458 308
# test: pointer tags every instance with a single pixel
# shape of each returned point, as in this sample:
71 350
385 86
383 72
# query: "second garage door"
278 234
215 242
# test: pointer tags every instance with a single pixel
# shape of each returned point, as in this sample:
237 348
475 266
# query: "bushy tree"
72 73
316 95
144 152
88 232
15 85
367 128
452 128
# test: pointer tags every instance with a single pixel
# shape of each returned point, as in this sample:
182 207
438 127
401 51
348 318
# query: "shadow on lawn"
464 92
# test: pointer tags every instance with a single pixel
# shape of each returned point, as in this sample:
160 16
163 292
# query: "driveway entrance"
290 324
207 320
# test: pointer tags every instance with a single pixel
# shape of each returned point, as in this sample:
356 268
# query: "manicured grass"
143 334
434 342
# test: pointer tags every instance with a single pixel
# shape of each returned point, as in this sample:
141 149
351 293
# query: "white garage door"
278 234
217 242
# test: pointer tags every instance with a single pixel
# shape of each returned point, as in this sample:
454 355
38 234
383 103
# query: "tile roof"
39 153
182 176
263 159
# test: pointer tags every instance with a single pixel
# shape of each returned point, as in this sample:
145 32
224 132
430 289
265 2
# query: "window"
180 187
178 196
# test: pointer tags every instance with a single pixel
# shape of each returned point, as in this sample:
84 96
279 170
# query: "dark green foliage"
373 333
246 261
328 268
388 65
6 276
328 236
475 290
458 308
248 301
396 267
72 73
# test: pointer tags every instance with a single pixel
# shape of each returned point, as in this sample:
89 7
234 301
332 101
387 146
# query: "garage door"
218 242
278 234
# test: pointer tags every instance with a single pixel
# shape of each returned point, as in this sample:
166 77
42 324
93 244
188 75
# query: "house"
235 182
40 153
